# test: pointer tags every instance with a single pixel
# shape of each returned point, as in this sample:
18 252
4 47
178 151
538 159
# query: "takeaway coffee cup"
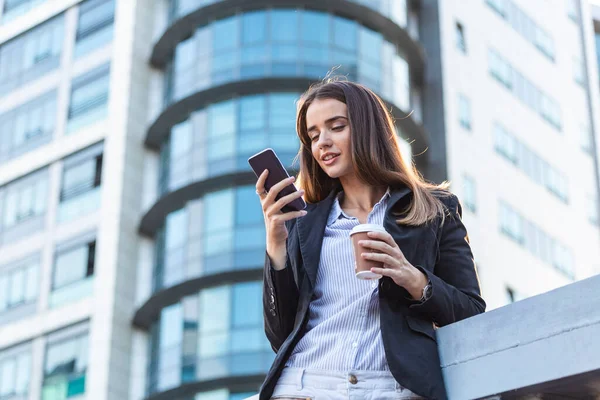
363 267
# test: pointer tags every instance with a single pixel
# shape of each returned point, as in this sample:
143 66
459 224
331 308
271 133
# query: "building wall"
471 152
80 316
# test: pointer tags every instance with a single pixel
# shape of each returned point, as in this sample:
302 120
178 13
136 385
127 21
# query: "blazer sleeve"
280 297
456 293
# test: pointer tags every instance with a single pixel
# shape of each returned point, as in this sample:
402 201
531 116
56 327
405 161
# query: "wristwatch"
426 292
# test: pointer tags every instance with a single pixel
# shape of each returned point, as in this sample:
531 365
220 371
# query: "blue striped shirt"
342 332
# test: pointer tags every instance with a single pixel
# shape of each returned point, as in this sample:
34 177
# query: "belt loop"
299 378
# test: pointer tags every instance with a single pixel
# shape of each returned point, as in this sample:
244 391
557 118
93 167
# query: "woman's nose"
324 140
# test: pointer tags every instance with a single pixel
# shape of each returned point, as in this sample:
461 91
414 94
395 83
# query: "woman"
338 337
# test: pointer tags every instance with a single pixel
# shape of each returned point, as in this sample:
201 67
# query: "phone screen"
267 159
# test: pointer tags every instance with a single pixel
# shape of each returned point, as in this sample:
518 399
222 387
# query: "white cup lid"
367 228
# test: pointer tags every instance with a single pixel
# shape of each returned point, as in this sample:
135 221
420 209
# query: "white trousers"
306 384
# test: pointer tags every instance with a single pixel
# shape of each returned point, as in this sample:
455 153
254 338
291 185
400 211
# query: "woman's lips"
331 160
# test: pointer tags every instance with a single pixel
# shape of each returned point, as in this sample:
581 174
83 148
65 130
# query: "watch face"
427 290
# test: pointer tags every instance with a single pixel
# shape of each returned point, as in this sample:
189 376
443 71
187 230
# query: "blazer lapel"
311 229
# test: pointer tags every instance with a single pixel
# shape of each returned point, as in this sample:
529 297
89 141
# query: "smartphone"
267 159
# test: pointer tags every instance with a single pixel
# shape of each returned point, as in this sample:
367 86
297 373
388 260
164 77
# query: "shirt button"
355 345
374 284
352 379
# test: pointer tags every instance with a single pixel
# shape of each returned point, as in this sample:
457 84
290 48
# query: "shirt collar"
337 212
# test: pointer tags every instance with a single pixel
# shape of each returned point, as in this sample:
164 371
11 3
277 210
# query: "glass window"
253 134
95 25
254 27
246 310
253 112
221 130
345 34
228 338
505 143
185 55
218 213
181 139
470 197
81 183
315 28
562 259
65 368
31 55
171 328
579 71
81 178
399 12
401 83
284 26
512 295
247 204
592 201
176 234
7 377
15 367
25 199
545 106
524 25
16 8
573 9
225 34
461 43
464 111
214 322
499 6
89 98
170 339
587 139
511 223
28 126
74 264
544 42
370 48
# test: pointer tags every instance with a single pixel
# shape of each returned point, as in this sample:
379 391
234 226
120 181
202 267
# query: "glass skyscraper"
132 241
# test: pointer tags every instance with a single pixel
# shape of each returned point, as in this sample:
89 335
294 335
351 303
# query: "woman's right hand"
275 219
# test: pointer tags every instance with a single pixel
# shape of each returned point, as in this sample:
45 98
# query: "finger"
292 215
260 183
378 245
274 191
387 238
383 236
279 204
381 257
384 271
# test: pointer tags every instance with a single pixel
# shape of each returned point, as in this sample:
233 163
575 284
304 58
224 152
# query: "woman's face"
329 133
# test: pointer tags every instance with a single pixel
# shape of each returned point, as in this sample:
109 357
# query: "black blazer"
442 252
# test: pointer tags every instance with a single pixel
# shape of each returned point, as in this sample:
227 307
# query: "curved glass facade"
220 138
213 334
393 9
287 43
218 333
223 231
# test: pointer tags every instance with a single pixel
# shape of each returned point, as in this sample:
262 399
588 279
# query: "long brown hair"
376 154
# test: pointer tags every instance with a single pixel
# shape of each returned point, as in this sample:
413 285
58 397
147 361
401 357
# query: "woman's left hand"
395 265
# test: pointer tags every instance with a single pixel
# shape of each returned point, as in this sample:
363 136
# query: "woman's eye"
314 138
338 128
